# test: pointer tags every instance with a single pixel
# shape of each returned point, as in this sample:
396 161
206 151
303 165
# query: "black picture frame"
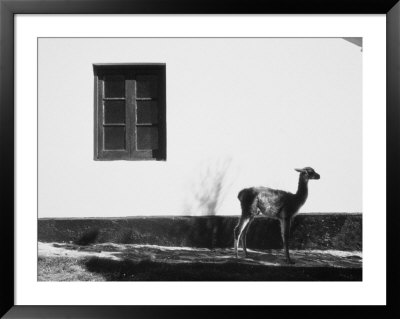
8 10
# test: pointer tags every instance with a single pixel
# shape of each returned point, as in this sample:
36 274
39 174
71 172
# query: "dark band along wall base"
130 109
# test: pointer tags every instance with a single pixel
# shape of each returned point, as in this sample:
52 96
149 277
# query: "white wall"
252 108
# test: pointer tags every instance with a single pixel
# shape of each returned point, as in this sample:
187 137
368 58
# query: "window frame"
129 71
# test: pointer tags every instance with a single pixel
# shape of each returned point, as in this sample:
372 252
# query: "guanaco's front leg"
285 232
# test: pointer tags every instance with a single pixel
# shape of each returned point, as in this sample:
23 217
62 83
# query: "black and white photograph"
200 159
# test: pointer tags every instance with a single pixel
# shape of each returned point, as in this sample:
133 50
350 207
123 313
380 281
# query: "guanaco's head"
308 173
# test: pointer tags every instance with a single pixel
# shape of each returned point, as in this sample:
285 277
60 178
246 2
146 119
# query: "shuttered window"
130 109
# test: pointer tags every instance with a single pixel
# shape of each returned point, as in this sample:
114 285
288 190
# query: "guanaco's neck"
302 190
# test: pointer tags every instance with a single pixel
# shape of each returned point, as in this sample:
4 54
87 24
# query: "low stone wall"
309 231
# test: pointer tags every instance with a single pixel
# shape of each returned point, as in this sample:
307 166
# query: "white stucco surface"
250 110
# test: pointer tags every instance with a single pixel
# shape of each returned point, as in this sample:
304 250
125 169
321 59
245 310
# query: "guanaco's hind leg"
244 220
244 236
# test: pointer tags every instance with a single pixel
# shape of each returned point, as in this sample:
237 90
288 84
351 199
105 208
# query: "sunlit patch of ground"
64 269
75 251
111 261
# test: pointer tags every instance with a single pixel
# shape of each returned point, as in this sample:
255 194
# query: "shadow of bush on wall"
208 187
88 237
146 270
208 190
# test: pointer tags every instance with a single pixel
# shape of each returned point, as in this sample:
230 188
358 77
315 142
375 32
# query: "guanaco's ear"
299 170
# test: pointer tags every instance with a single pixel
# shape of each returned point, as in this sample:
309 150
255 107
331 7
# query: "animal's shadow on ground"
147 270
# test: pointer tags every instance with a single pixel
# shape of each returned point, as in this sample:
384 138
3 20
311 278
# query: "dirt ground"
117 262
